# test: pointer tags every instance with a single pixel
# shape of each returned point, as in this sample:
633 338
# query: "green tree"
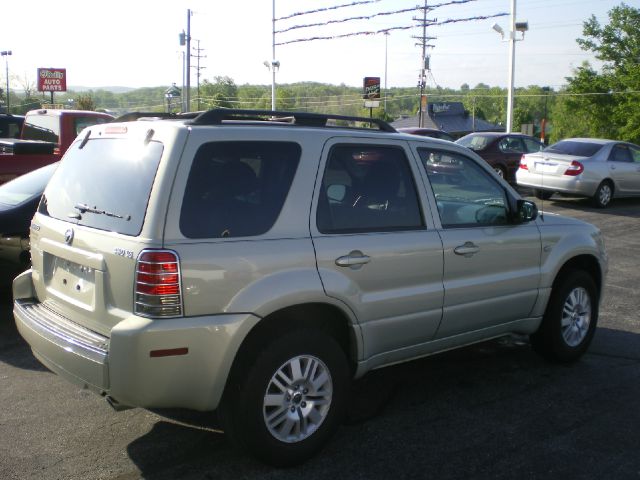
604 104
85 102
222 93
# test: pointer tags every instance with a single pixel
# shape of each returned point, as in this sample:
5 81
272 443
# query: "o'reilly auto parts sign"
52 79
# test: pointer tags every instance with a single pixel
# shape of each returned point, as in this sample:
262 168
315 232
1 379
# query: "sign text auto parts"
52 79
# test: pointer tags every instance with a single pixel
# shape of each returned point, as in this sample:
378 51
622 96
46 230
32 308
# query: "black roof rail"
217 115
133 116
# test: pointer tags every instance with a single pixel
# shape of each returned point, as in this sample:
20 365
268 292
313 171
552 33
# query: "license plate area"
70 280
544 167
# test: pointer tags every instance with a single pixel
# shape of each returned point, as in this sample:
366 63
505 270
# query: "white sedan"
587 167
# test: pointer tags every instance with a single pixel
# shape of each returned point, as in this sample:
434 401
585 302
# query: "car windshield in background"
579 149
104 184
475 142
27 186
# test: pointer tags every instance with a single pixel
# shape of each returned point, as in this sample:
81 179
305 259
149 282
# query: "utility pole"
187 92
198 68
424 65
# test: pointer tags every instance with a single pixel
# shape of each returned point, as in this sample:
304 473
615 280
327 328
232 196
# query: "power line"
326 9
389 29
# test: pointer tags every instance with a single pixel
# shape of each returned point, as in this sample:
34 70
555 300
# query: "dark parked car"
10 125
502 151
18 202
427 132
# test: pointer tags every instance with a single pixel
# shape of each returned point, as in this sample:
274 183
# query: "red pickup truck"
46 135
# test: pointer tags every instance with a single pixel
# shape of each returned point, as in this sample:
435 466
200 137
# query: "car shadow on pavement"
486 411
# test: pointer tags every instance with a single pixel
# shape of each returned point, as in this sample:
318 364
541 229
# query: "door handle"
467 250
354 259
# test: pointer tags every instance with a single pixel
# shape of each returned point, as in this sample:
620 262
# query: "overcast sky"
135 43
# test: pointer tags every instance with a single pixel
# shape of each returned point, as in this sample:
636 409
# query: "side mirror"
526 211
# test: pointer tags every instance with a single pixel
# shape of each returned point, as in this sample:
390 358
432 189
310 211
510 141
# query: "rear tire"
502 173
604 194
290 400
570 320
542 194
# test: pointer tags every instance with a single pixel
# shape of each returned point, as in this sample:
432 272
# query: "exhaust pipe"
117 406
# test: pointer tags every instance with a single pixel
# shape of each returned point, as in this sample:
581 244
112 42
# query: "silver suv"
256 263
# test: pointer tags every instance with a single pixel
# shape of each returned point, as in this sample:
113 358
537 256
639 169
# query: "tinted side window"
81 123
237 189
465 193
620 153
367 189
511 145
635 154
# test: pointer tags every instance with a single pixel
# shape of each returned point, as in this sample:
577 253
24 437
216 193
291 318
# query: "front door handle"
355 259
467 250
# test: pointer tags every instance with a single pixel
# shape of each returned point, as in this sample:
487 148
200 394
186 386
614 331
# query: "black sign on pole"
371 88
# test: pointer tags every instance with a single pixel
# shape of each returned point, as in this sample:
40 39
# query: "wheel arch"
325 317
584 262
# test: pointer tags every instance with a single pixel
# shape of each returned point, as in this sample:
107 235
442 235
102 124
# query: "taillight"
576 168
157 289
523 163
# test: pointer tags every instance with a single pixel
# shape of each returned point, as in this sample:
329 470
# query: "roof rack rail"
217 115
133 116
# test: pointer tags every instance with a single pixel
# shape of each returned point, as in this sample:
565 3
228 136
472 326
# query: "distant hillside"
106 89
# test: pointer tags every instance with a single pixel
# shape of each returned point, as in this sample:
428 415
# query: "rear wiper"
83 208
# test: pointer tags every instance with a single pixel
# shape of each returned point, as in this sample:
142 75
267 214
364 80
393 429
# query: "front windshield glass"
27 186
104 184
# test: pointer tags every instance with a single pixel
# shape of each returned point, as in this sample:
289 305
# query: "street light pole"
6 54
512 64
514 27
386 41
273 58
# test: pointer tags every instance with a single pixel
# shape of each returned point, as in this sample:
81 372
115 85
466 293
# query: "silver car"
588 167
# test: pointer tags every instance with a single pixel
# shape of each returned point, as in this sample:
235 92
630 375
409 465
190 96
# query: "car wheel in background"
603 195
570 320
542 194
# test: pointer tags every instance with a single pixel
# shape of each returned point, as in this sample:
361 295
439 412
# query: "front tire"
291 399
570 320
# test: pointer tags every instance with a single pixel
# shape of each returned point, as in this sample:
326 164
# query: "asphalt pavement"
494 410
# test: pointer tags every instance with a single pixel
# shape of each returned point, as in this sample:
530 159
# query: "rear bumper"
564 184
122 365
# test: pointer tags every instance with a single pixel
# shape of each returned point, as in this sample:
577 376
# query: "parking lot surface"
494 410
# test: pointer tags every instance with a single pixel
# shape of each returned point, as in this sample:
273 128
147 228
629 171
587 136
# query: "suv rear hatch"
90 225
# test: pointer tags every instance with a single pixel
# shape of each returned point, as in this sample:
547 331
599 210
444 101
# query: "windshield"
104 184
27 186
569 147
475 142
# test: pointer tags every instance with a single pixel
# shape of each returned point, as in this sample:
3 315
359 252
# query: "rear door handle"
467 250
355 259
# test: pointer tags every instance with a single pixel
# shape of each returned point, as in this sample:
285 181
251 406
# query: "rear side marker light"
168 352
575 169
158 291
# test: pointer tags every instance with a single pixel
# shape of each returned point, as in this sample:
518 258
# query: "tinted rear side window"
568 147
237 189
106 184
